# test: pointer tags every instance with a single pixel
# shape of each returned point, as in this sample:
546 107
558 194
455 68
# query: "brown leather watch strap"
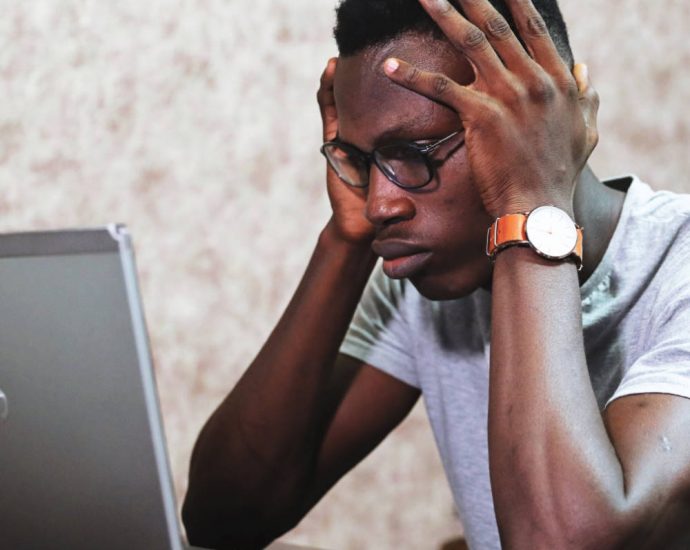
506 230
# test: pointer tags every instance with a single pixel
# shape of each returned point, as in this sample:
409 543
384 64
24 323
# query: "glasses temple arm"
433 146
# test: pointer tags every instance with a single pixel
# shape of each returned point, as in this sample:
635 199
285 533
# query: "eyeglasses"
407 164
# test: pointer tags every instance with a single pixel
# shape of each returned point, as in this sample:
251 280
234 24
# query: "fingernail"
391 65
438 4
584 71
581 74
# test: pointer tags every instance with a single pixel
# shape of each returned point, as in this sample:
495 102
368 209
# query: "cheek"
459 208
459 224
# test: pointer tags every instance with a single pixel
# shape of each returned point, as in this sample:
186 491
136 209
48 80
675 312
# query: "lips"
401 259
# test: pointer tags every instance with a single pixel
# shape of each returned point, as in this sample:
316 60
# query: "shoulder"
656 234
658 206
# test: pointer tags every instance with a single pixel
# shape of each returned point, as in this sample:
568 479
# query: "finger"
497 30
589 102
466 37
437 87
326 99
535 35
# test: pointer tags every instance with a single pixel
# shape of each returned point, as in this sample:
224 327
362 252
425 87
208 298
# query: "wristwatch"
548 230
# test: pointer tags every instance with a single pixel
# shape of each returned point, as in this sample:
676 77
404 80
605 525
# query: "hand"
530 125
348 203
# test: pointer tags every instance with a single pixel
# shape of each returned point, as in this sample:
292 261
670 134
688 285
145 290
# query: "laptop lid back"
82 455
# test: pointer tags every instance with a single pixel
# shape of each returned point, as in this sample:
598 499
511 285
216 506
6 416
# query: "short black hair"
361 24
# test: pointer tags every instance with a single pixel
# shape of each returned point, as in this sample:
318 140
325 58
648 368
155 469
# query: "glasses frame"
374 157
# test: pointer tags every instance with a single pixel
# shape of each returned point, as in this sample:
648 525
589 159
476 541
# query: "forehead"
371 108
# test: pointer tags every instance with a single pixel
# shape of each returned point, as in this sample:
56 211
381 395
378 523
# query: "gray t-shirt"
636 318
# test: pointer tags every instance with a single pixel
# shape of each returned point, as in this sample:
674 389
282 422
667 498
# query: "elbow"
581 539
210 527
223 520
201 530
204 526
597 535
583 530
232 503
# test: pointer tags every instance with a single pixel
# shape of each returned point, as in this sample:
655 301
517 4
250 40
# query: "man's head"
444 218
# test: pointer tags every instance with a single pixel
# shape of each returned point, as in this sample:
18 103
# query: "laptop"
83 461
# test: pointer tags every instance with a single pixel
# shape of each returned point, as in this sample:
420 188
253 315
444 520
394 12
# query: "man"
559 396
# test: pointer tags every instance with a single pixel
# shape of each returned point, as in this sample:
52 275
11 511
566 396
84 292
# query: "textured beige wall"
195 123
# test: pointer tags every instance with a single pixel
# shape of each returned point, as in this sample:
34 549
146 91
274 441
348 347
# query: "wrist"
331 238
334 234
513 257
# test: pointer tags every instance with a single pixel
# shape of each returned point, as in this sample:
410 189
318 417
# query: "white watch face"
551 232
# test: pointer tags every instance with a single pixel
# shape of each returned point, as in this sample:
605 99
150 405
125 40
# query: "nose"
386 202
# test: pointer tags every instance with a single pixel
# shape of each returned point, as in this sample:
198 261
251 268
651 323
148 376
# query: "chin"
453 284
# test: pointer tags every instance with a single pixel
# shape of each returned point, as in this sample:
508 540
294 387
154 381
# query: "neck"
597 210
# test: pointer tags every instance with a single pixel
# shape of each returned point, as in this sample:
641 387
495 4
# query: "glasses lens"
404 164
348 163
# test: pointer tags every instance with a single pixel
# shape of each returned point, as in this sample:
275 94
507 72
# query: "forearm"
554 471
262 441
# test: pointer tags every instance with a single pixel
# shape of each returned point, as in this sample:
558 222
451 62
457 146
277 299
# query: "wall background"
195 123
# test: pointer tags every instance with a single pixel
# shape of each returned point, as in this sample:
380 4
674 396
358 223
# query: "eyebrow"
408 128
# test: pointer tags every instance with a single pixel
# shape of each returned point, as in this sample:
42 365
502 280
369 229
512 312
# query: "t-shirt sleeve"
664 366
379 334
